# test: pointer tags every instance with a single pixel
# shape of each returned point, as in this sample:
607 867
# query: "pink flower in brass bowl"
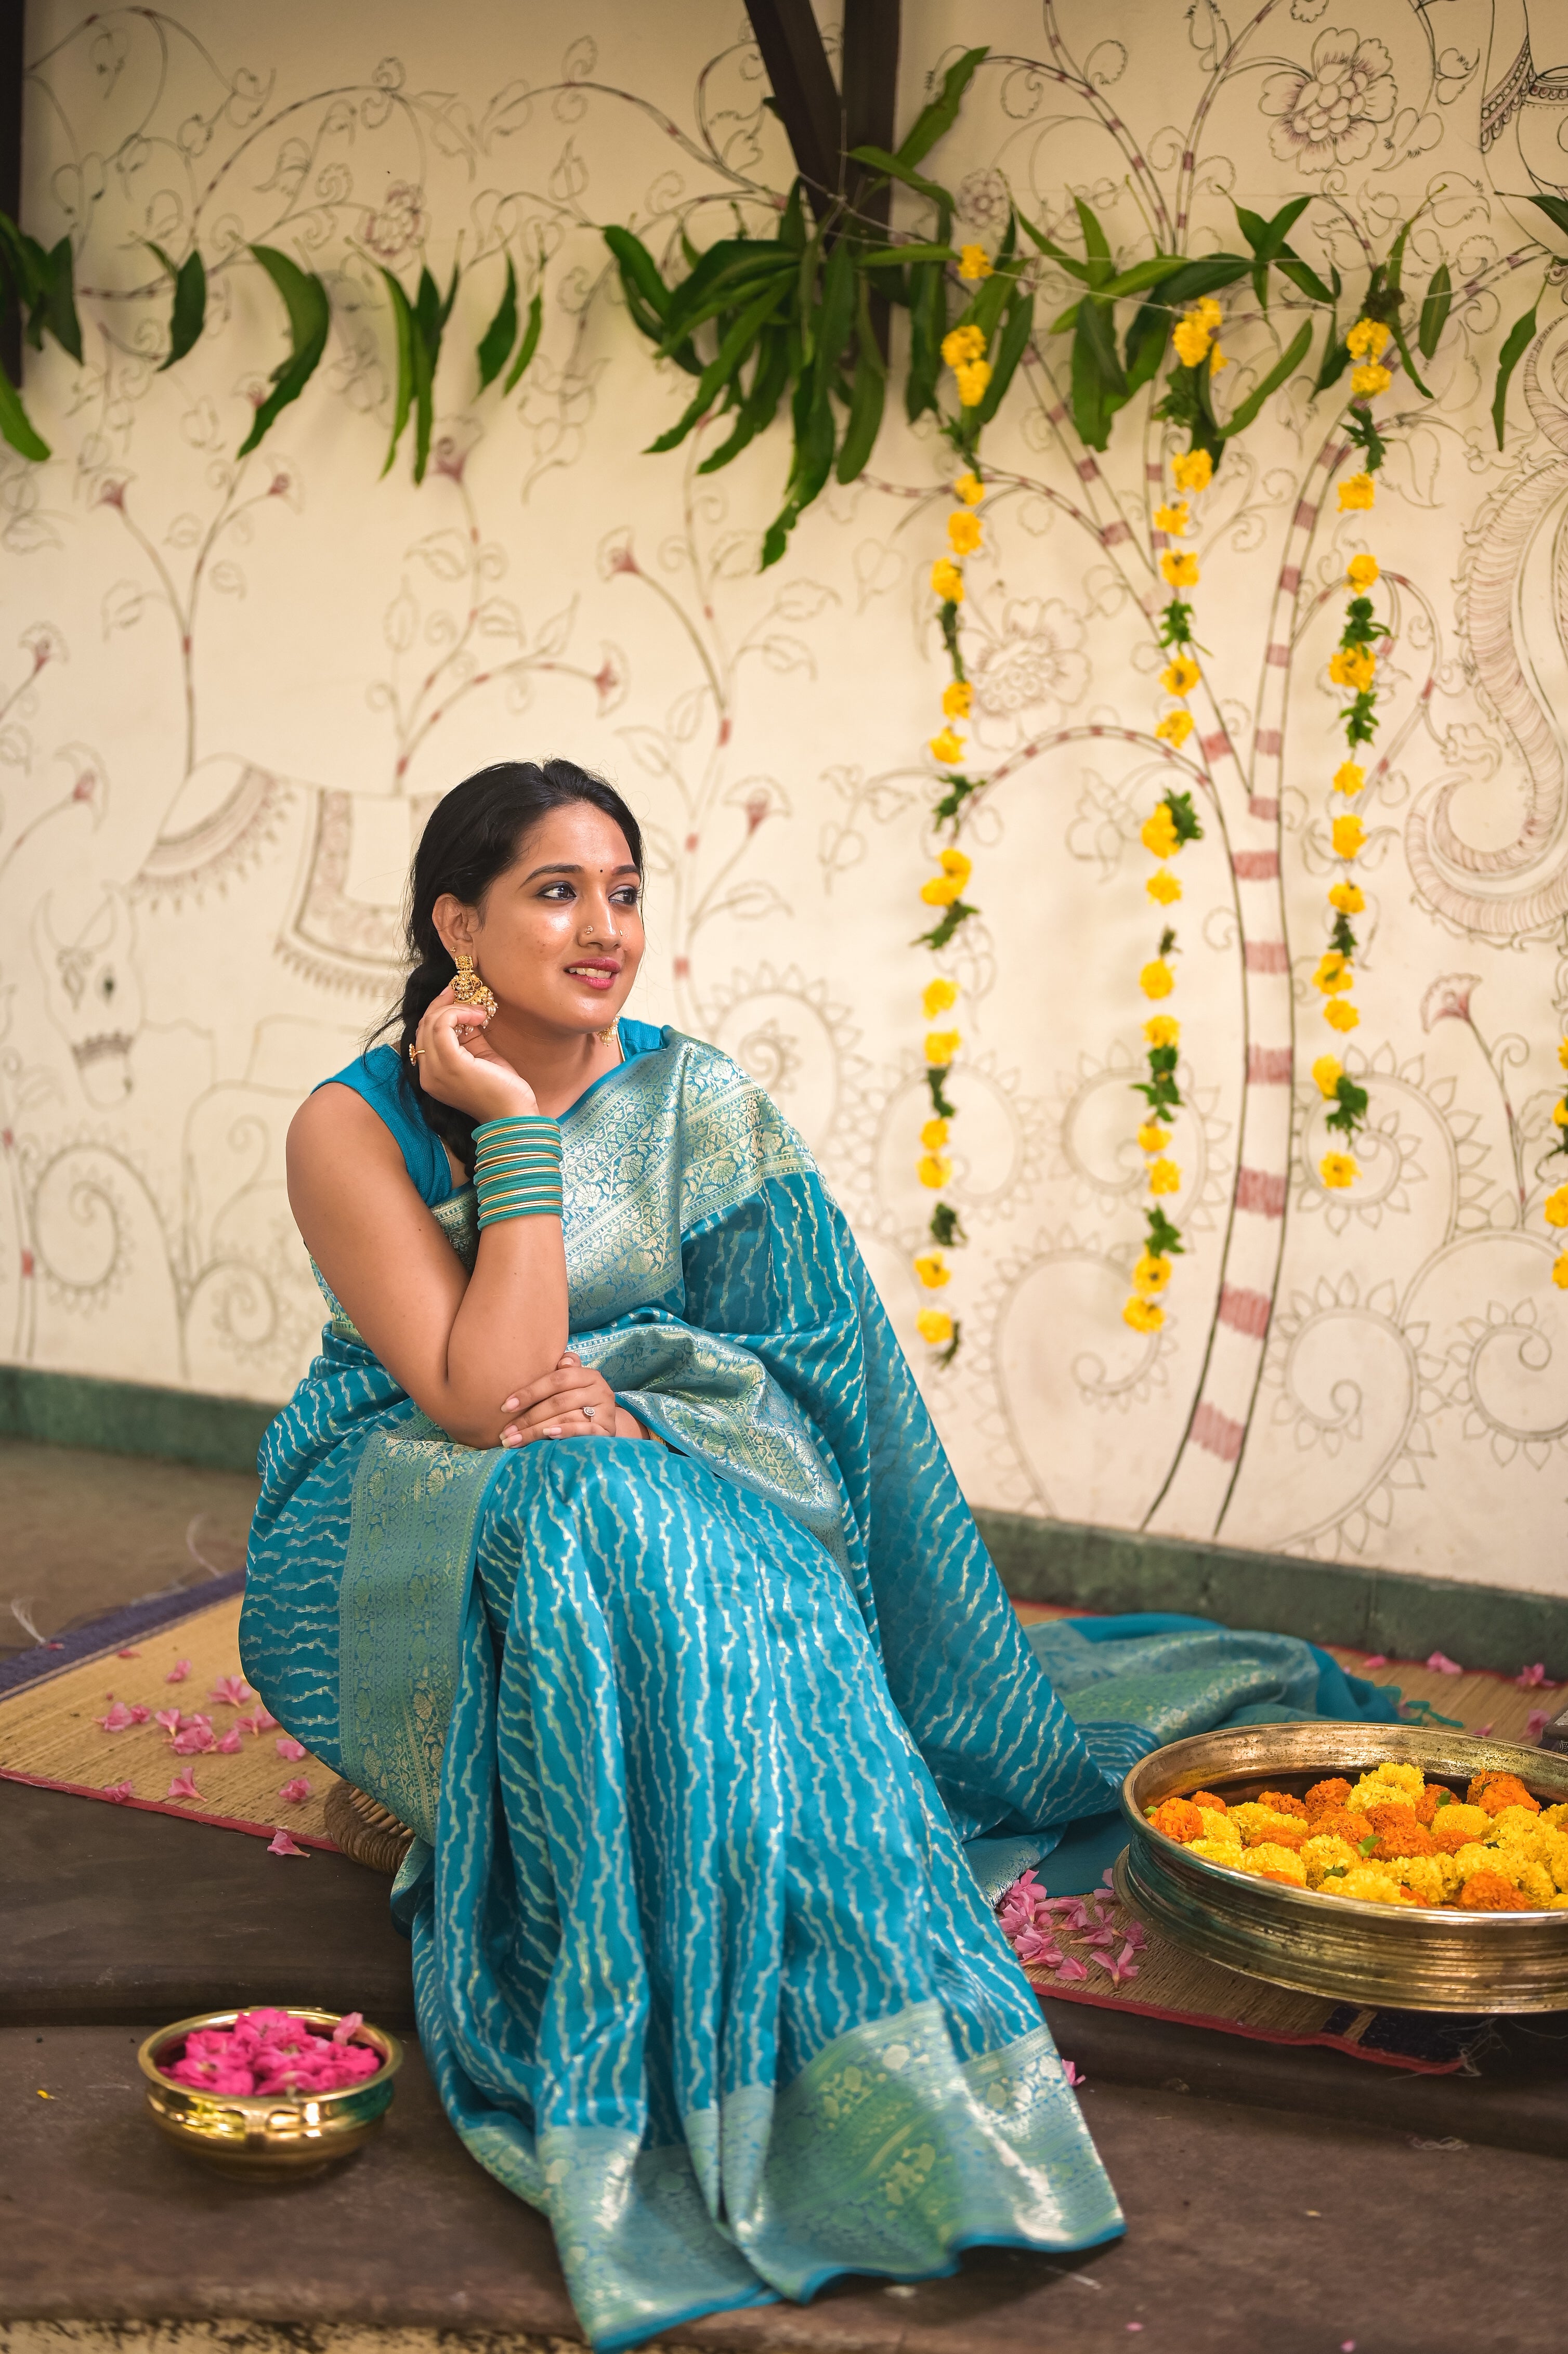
271 2091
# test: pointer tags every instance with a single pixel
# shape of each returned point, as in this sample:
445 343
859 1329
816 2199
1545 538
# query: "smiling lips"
599 975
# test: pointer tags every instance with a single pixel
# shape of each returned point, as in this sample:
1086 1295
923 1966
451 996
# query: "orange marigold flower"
1178 1819
1488 1892
1493 1792
1207 1799
1281 1804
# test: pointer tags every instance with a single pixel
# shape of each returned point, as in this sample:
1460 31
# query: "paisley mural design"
231 690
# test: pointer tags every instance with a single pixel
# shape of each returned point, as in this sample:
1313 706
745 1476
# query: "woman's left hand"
572 1402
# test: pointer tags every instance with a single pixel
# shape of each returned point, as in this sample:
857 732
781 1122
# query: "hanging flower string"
1354 667
1171 822
1555 1207
964 351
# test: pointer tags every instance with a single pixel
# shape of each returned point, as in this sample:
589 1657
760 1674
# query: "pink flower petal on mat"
119 1792
170 1719
1108 1879
230 1743
1481 1732
348 2027
128 1655
1072 1970
139 1714
183 1785
1101 1937
1528 1677
118 1718
178 1672
287 1746
1137 1935
1376 1659
1537 1722
194 1741
1075 2075
1442 1665
261 1720
232 1692
282 1844
1030 1947
295 1793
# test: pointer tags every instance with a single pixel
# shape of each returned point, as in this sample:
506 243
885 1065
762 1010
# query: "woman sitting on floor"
677 1647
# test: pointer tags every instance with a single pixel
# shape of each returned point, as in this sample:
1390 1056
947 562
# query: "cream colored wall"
235 690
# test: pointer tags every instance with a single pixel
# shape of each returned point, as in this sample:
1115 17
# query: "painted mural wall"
229 692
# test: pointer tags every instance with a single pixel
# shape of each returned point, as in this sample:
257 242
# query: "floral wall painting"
231 686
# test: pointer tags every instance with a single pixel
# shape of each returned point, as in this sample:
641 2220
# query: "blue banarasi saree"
694 1737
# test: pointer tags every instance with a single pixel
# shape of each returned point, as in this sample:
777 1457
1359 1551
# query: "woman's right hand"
458 1065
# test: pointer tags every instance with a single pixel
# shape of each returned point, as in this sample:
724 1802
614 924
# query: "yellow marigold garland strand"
964 351
1354 667
1555 1206
1170 823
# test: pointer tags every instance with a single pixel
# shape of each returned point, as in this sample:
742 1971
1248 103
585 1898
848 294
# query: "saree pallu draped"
692 1735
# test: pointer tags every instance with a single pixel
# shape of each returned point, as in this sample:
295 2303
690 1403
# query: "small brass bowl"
1380 1955
267 2133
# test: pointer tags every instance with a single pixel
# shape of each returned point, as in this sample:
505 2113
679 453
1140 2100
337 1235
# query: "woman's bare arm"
456 1343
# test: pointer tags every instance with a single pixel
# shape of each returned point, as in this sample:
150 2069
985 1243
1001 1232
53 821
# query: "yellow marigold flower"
1157 980
973 263
932 1269
1349 776
1158 832
1562 1052
946 581
1363 573
1334 973
1164 888
962 345
972 380
941 891
970 489
1164 1177
1191 340
1209 310
1217 360
1180 675
1175 728
947 747
1179 567
933 1169
1192 470
934 1325
954 866
1370 380
1349 834
956 697
1152 1272
1348 898
964 534
934 1135
1353 666
1357 491
937 996
1151 1137
1173 519
1340 1014
1337 1170
1327 1072
1560 1270
1143 1315
1554 1209
1367 340
941 1045
1163 1030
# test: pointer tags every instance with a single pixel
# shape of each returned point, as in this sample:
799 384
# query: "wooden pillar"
11 15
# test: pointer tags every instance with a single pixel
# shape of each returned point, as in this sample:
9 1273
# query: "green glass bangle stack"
517 1168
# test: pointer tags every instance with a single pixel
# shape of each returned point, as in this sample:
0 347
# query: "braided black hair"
473 834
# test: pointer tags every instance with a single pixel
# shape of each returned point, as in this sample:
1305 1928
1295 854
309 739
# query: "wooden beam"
805 90
870 72
11 32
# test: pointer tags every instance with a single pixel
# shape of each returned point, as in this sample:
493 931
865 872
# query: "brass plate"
1371 1953
269 2132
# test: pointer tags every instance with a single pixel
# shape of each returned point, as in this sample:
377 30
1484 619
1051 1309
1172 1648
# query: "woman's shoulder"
377 1076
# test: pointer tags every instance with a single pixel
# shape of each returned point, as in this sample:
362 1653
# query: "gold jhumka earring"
469 990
